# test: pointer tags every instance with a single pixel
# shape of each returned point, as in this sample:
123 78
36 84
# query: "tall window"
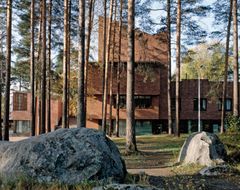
173 104
141 102
19 102
228 104
203 104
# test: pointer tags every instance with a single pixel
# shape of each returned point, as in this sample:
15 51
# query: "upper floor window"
228 104
20 102
141 102
173 104
203 104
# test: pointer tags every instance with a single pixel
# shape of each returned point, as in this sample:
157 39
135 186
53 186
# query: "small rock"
125 187
202 148
215 170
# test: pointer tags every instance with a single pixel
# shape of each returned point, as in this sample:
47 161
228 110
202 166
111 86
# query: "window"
141 102
228 104
20 102
173 104
203 104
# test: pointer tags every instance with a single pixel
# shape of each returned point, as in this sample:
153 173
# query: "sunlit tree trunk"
88 45
69 61
6 123
104 58
105 93
235 60
32 60
178 60
169 66
112 72
49 65
226 69
1 76
81 115
43 60
130 123
65 64
118 70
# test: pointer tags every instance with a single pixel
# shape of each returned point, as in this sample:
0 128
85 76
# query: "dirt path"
153 171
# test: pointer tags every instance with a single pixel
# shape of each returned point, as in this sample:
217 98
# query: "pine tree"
130 124
6 123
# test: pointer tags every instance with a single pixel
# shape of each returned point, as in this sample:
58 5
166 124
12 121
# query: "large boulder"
126 187
67 155
202 148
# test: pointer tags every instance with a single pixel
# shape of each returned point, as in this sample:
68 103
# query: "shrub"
232 124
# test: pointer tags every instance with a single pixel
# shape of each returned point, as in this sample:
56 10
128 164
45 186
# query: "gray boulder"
67 155
125 187
216 170
202 148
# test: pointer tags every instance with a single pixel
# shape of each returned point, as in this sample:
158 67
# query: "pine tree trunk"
169 67
88 37
178 59
32 60
103 59
49 65
6 123
1 79
235 60
43 59
68 61
130 123
112 72
118 70
105 93
81 117
226 69
65 64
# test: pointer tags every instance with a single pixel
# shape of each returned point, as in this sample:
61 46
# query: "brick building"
150 91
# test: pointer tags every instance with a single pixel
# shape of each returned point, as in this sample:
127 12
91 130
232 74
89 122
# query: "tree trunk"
49 65
65 64
178 59
32 60
81 117
226 69
169 67
68 61
103 59
88 44
1 78
105 93
235 60
130 123
112 72
43 59
118 69
6 123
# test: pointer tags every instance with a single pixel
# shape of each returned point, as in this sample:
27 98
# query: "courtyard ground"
156 164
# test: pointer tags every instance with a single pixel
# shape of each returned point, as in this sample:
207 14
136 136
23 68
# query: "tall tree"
226 68
131 145
169 66
103 59
49 66
65 63
32 62
235 61
105 92
118 69
112 73
6 123
178 60
43 60
81 115
88 44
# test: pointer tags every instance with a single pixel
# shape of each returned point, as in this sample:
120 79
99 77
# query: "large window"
173 104
203 104
19 102
228 104
141 102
